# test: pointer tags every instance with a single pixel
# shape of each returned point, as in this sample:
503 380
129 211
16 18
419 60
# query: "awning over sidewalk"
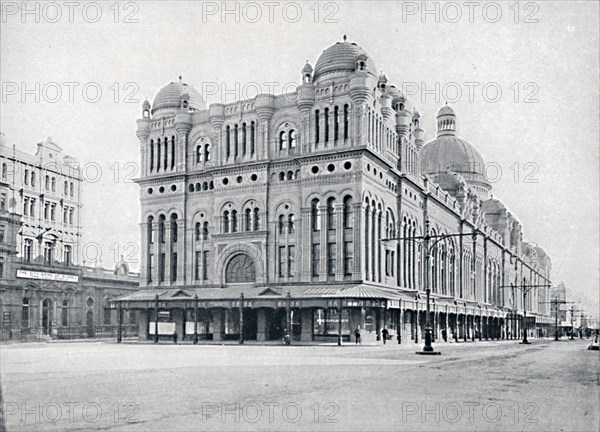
298 296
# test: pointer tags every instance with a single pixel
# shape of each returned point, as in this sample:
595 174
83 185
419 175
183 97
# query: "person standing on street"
357 336
384 334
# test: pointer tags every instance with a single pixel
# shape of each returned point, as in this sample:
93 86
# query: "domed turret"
450 153
307 71
446 121
169 98
343 58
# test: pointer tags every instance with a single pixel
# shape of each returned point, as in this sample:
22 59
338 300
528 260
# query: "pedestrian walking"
357 335
384 334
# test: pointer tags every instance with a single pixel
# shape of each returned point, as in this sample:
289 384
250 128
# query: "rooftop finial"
345 38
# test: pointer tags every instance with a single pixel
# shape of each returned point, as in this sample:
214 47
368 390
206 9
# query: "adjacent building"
304 214
44 291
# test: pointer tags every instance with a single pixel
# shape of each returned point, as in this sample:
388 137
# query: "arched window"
26 177
317 132
252 138
281 176
158 154
150 230
161 228
204 186
281 224
207 153
46 184
5 171
256 219
166 153
226 221
240 269
315 214
71 188
291 224
348 211
198 231
173 228
151 155
234 221
346 120
282 140
248 220
173 152
244 139
32 178
326 120
211 185
235 141
198 154
336 123
191 187
330 214
66 188
290 175
205 230
227 141
292 138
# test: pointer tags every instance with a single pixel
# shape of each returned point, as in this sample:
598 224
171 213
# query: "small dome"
445 110
342 57
307 68
170 97
146 104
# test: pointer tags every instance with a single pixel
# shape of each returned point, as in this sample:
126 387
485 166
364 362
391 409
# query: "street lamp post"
427 237
427 348
156 319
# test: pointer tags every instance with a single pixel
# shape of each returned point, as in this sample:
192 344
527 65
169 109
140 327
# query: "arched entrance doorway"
46 316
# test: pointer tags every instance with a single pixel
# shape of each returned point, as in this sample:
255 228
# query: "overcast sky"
542 53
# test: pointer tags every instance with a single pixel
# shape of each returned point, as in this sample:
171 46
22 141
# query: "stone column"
217 321
359 241
143 333
339 240
306 236
178 317
323 239
261 325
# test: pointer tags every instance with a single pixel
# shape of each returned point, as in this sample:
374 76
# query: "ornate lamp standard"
427 347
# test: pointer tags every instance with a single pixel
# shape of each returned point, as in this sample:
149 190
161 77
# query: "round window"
315 169
225 181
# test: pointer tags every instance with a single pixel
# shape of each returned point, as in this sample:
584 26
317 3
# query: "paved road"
503 386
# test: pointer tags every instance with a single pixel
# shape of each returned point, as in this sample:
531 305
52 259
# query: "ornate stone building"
302 213
44 292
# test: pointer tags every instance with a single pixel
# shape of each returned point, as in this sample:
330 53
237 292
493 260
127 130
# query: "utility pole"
556 302
525 289
573 310
429 243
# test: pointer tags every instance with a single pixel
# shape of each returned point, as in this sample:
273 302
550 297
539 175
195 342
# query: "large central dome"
342 57
449 153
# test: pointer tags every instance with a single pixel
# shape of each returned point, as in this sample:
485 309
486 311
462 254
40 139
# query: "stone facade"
330 187
44 292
